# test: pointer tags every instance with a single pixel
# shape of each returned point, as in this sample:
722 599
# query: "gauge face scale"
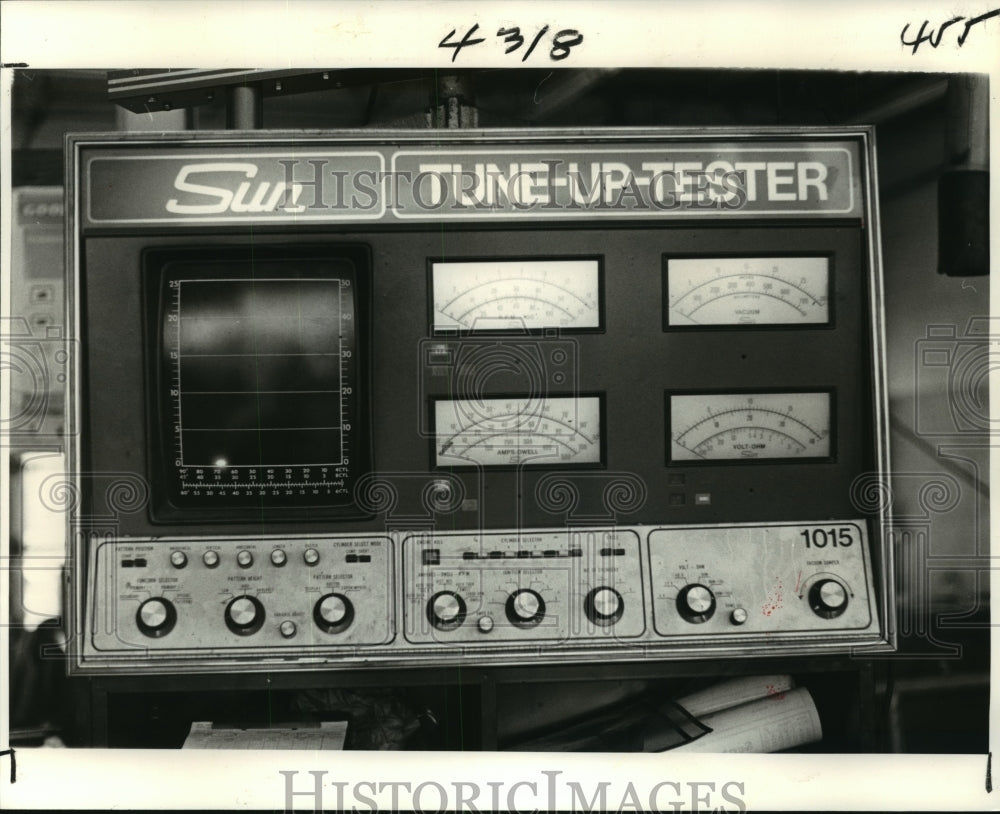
515 431
749 427
747 291
516 295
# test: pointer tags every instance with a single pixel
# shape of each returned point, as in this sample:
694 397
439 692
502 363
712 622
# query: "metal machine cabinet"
397 403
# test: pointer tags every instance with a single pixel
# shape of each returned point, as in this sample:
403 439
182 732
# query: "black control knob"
333 613
828 598
604 606
156 617
446 610
525 608
696 603
245 615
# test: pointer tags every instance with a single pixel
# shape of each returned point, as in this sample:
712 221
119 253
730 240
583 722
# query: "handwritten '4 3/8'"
562 41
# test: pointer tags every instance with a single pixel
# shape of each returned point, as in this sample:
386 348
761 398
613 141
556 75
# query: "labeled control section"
828 598
156 617
222 595
695 603
809 580
604 606
429 598
333 613
245 615
502 588
446 610
525 608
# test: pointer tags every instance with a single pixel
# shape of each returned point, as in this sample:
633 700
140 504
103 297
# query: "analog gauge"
746 427
748 291
513 431
520 295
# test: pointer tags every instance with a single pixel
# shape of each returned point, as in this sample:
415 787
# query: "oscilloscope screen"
258 396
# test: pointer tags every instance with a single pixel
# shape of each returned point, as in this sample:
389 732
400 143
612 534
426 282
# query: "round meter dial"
747 291
516 295
497 432
748 427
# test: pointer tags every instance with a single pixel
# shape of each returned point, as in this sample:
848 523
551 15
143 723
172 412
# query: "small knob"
288 629
278 557
738 616
178 559
311 556
446 610
156 617
485 624
244 615
333 613
525 608
244 558
604 606
210 558
828 598
696 603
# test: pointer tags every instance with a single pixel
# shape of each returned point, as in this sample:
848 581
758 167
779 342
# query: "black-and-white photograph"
517 406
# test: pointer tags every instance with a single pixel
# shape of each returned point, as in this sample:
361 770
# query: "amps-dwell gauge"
545 430
350 400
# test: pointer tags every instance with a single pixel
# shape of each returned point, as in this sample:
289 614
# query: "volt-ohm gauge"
749 426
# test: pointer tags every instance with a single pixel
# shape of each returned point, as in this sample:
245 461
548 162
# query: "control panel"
549 395
800 579
630 592
234 595
548 586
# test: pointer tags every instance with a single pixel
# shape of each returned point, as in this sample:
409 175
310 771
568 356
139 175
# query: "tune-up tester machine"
346 400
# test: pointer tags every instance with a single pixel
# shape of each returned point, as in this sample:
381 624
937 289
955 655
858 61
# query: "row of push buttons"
244 558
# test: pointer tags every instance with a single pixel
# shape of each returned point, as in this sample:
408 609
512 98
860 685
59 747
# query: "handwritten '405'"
934 39
562 41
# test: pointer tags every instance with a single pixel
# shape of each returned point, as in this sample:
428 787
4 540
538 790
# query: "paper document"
777 722
734 692
326 735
